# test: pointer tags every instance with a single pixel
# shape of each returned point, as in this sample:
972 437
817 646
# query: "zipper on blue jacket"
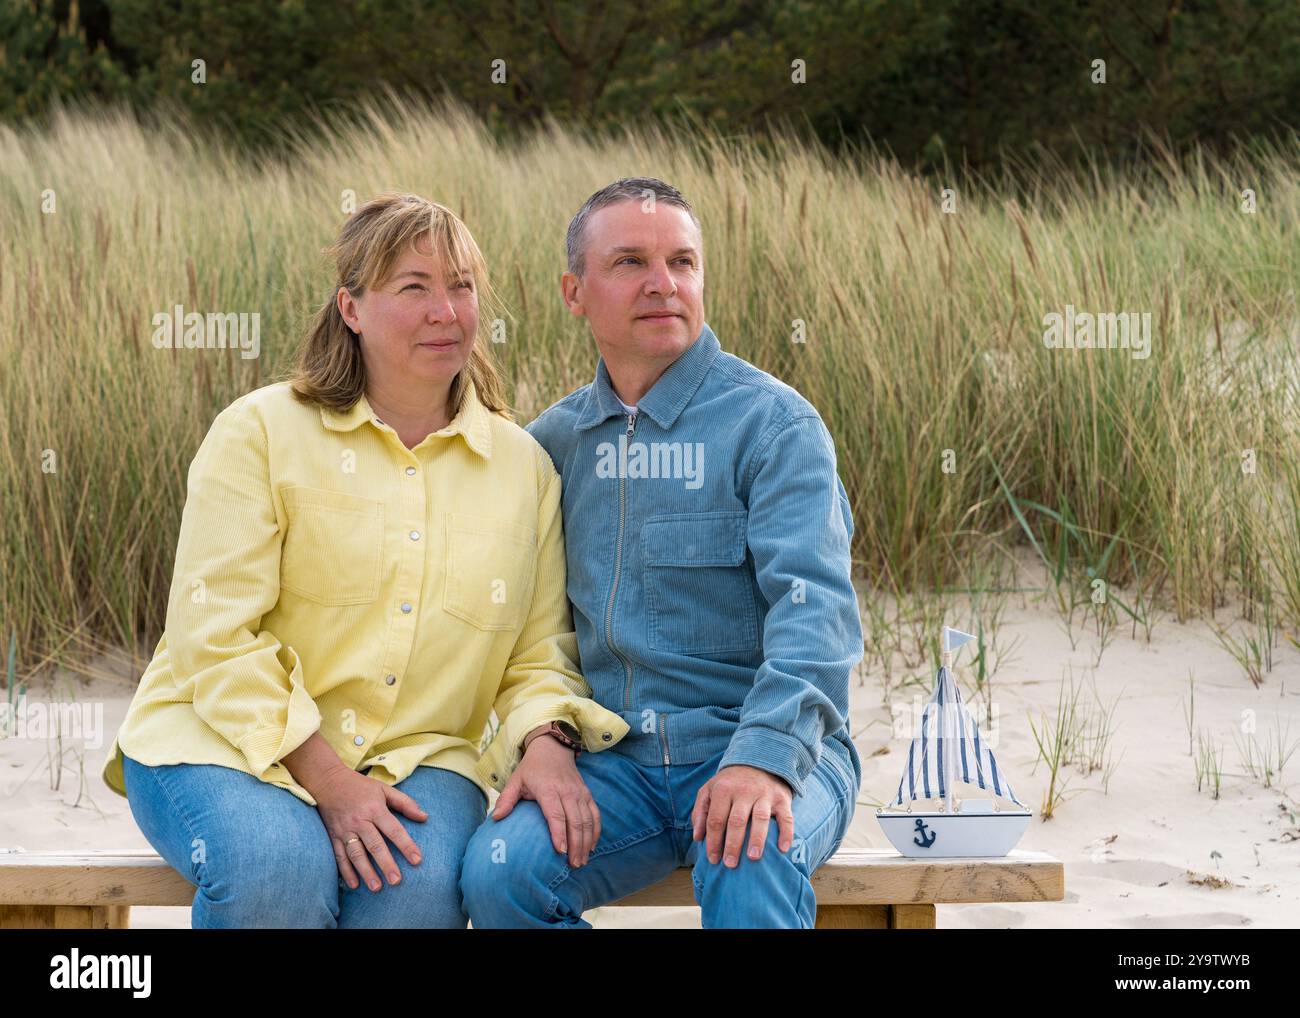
663 735
618 564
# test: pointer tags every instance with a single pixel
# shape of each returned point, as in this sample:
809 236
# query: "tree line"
971 82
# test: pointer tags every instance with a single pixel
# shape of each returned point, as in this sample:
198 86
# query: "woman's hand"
353 806
548 774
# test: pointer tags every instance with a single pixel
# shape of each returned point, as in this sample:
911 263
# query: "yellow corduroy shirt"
329 578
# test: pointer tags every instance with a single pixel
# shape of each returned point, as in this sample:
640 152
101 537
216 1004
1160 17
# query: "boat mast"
951 732
944 733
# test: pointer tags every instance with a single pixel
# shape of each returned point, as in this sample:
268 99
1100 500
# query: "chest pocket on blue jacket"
698 588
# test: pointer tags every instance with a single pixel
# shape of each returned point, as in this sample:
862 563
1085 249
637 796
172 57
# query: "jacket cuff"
600 729
264 747
771 751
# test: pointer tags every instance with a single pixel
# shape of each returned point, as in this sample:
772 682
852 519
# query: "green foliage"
936 82
46 56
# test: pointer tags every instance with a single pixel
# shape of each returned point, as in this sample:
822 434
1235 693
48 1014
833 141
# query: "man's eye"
688 261
626 258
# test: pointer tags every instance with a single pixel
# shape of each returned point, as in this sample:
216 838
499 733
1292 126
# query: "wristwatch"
561 730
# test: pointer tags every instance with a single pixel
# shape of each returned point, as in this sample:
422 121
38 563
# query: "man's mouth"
658 316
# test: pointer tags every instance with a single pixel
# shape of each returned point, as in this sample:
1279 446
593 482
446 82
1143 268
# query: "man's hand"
728 801
548 774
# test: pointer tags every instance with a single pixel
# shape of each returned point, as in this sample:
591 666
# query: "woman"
370 561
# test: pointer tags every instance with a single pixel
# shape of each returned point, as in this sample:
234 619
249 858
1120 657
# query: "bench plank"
860 889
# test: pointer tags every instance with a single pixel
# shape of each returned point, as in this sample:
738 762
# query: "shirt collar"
666 399
471 421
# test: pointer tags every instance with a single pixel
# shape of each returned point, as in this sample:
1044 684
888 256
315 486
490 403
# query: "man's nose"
661 280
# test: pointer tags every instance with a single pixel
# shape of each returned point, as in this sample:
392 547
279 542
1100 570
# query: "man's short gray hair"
627 189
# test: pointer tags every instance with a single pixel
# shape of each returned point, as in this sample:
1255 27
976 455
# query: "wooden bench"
874 889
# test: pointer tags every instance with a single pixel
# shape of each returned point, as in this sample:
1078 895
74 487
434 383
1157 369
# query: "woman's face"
418 326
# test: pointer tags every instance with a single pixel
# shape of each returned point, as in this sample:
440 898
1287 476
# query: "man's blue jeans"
512 875
261 857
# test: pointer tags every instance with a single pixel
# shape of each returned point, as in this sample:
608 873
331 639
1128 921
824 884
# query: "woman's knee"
427 897
270 882
284 875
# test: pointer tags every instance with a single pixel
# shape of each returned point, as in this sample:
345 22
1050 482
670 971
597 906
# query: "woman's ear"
347 306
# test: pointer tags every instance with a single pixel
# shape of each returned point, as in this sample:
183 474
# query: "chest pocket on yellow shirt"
489 574
333 551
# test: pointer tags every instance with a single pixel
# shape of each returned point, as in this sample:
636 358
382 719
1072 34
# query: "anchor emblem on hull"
923 840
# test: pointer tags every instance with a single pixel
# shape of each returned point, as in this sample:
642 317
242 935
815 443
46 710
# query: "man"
707 539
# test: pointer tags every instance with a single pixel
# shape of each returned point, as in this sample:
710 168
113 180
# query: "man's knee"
772 865
772 891
506 855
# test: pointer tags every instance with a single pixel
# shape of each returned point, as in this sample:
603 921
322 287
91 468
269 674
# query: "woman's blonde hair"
330 370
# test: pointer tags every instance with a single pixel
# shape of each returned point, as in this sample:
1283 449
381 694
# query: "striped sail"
949 749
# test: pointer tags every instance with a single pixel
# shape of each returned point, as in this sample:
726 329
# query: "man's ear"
570 289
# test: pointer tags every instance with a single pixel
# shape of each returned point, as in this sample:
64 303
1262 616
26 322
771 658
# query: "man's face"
642 289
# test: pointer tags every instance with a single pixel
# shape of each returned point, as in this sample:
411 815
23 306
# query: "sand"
1148 852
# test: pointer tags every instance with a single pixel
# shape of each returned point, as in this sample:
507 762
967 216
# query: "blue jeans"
513 877
261 857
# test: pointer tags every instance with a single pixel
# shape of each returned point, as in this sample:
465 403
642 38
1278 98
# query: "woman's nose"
441 308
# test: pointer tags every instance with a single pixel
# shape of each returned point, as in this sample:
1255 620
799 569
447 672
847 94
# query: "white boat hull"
954 836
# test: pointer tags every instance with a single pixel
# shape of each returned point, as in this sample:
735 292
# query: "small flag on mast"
954 638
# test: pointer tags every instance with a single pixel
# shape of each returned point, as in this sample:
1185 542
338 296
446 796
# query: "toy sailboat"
938 812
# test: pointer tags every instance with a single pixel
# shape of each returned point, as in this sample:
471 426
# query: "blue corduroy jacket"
707 545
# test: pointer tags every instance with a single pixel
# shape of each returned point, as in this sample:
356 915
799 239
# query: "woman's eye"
412 286
466 284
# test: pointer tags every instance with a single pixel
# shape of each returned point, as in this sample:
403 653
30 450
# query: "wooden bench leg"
911 917
875 917
852 917
65 917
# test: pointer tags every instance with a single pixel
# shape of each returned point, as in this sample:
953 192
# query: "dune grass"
958 432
